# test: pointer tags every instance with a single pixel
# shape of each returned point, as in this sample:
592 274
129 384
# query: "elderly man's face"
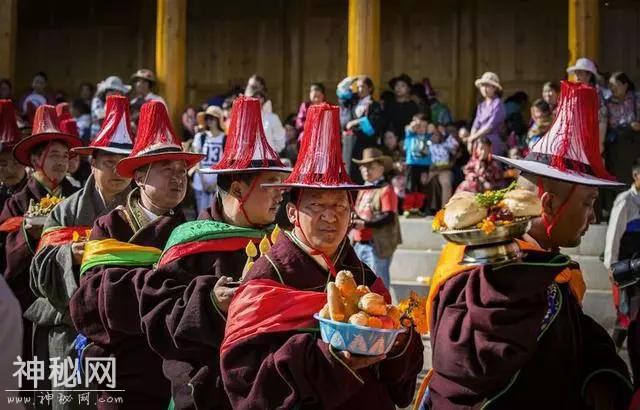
324 216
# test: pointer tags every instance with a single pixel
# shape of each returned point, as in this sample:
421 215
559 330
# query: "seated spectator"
541 118
189 123
36 97
290 150
376 233
417 159
391 147
482 173
86 92
550 94
209 142
81 112
316 96
443 151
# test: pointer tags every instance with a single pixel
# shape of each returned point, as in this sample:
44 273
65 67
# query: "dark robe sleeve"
601 362
184 327
484 329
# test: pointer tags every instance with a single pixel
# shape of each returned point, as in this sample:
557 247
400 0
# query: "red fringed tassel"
321 149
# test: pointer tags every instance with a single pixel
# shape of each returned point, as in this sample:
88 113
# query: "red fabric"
320 157
635 401
63 111
246 141
62 236
211 245
379 288
116 113
69 126
11 224
266 306
388 203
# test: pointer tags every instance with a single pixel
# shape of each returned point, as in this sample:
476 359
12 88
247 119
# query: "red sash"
63 235
266 306
211 245
12 224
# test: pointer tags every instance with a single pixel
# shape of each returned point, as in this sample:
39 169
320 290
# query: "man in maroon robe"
515 336
47 151
185 299
104 308
282 365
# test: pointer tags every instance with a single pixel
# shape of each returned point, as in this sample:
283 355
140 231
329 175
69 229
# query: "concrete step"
407 264
417 234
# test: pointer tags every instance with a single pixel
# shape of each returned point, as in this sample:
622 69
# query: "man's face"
38 84
575 218
11 171
262 203
324 216
401 89
166 183
142 87
103 167
53 161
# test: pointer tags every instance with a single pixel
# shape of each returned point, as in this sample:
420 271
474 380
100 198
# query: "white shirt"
274 131
212 147
10 342
626 208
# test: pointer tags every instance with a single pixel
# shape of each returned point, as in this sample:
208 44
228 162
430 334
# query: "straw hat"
370 155
215 111
247 148
570 150
490 79
156 141
583 64
113 83
144 74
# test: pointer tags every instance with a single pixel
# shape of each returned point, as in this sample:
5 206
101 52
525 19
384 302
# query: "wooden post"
292 87
8 34
584 30
363 54
465 59
171 44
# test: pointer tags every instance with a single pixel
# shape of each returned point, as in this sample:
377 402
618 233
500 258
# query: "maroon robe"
104 308
19 249
492 341
7 191
295 369
183 325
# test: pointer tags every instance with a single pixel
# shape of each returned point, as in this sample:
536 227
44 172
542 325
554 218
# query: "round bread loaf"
522 203
463 211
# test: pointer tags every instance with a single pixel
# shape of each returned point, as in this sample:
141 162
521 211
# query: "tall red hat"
155 141
63 111
69 126
9 132
115 136
320 162
570 150
46 128
247 148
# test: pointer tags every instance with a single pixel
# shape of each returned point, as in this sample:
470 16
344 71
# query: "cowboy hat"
489 78
370 155
144 74
583 64
113 83
216 112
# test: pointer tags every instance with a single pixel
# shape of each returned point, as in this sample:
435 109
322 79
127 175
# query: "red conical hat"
9 132
69 126
115 136
570 150
156 141
247 148
320 162
62 111
46 128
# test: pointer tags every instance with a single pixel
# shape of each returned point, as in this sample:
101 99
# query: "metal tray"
475 237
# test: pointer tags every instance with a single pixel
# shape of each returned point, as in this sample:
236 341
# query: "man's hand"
359 362
77 252
223 294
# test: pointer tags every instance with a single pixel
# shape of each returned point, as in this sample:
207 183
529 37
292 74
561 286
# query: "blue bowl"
357 339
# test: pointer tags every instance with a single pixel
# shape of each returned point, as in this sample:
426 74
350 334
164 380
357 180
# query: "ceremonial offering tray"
357 339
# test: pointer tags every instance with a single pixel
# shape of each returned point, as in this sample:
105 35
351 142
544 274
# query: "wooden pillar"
363 54
8 35
171 44
293 89
584 29
465 59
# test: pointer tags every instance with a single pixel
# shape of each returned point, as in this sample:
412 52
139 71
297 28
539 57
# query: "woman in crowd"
490 114
400 109
316 96
623 127
541 118
550 94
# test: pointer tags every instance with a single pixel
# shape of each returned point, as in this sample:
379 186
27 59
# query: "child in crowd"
443 149
482 172
290 150
541 117
81 112
418 161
